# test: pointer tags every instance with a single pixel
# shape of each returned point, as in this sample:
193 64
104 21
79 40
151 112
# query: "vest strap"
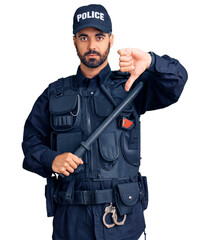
59 88
70 191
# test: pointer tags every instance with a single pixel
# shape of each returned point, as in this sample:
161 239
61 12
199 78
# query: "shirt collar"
81 81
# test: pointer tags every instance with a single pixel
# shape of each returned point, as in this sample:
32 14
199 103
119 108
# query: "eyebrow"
85 35
100 34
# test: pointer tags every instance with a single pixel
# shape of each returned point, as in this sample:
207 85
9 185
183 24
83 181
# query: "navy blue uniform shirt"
163 85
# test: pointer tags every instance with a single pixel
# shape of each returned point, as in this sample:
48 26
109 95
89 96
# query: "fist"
66 163
134 61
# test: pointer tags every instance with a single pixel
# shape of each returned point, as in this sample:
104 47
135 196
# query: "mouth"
92 55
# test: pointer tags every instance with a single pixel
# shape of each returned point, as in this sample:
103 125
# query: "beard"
93 62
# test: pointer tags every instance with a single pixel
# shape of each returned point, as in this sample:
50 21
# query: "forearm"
36 139
164 82
38 159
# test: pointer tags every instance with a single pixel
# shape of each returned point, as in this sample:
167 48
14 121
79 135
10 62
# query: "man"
101 195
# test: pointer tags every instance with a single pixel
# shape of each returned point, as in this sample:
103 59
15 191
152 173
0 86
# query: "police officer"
101 195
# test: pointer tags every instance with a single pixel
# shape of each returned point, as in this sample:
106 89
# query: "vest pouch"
109 149
126 196
130 145
103 106
65 111
68 142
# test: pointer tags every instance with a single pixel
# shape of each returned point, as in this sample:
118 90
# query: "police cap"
93 15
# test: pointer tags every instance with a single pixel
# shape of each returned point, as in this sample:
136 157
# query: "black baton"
85 145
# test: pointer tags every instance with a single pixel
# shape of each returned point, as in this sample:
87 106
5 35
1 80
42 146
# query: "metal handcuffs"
112 209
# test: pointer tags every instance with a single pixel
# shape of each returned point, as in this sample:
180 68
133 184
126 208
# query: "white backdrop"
36 48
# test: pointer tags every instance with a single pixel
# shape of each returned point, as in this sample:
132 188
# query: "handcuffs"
112 209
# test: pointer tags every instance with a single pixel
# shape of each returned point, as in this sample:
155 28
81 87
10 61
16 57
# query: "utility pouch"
126 196
49 194
109 150
65 111
130 145
103 106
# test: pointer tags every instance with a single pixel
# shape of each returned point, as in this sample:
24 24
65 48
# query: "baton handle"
80 151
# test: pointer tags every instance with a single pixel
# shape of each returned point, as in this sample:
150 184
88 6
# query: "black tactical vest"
76 113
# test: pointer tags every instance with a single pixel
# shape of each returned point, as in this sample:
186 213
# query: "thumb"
130 82
122 52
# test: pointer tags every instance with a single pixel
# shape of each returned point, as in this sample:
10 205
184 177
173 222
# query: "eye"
100 38
83 39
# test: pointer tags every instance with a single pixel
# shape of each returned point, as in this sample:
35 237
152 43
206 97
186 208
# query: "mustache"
92 52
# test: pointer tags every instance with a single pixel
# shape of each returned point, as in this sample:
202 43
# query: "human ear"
111 40
75 40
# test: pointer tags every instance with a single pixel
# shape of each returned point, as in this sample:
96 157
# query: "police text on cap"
92 14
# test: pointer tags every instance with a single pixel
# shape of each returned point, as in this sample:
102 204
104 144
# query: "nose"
92 44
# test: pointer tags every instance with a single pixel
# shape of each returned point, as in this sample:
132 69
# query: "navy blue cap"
93 15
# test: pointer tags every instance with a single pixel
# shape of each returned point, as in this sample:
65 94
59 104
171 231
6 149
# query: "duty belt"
94 197
122 197
85 197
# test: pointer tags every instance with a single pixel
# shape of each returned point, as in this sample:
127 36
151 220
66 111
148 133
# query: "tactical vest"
76 113
114 157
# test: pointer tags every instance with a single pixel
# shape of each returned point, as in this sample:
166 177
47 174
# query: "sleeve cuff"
48 158
152 65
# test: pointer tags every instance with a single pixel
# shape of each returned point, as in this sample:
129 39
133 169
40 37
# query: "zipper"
88 124
88 131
